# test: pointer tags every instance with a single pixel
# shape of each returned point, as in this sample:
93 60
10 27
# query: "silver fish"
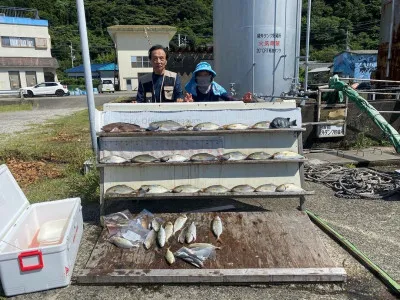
191 233
269 187
187 188
169 256
204 245
169 230
259 156
205 126
155 225
121 242
121 127
173 158
182 235
144 158
235 155
179 223
167 125
120 189
288 187
161 237
217 227
203 157
287 155
153 189
236 126
187 255
150 239
261 125
216 189
113 159
243 188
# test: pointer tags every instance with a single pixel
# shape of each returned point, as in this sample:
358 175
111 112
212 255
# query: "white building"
25 57
132 44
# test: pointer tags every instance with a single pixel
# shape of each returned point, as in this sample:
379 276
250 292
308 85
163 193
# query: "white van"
106 86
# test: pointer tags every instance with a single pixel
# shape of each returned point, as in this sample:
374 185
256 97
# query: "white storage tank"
256 45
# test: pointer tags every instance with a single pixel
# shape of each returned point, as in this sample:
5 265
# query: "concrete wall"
135 44
13 30
5 80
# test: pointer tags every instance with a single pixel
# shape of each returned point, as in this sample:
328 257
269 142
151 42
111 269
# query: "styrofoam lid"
12 200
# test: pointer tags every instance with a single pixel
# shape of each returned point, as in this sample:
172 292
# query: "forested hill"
335 23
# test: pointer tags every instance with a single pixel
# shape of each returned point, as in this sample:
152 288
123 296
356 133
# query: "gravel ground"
12 122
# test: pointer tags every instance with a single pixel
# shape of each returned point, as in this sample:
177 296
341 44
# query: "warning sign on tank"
268 43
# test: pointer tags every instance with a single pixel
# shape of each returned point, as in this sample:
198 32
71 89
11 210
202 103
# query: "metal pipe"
390 41
88 72
360 256
298 41
274 69
253 51
284 46
377 80
307 44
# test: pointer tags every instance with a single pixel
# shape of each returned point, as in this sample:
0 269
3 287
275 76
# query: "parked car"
45 88
106 86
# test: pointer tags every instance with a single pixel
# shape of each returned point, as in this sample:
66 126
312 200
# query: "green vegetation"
47 161
363 141
334 23
350 166
337 23
16 107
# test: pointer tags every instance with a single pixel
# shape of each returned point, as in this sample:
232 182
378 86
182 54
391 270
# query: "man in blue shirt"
161 85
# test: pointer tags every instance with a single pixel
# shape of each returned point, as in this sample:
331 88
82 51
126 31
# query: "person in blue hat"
203 88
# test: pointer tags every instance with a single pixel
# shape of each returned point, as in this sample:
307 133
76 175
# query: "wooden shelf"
195 133
207 195
189 163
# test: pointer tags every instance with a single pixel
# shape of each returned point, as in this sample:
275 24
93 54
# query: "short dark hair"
157 47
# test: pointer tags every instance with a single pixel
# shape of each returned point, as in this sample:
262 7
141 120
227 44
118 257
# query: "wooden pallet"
257 247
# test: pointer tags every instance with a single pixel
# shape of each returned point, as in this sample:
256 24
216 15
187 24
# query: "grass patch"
124 99
350 166
362 141
47 161
15 107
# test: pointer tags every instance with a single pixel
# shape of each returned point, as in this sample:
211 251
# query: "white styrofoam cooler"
29 262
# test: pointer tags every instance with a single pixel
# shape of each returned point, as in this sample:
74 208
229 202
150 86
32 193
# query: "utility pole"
179 40
72 54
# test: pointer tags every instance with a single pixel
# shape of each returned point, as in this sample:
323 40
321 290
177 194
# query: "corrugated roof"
94 68
141 28
371 52
317 70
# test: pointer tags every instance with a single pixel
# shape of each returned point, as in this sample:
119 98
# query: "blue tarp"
355 65
94 67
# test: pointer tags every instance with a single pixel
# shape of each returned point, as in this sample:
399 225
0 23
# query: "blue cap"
204 66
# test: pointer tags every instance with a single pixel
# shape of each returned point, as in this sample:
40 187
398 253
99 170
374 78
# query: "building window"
20 42
15 82
30 78
140 62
